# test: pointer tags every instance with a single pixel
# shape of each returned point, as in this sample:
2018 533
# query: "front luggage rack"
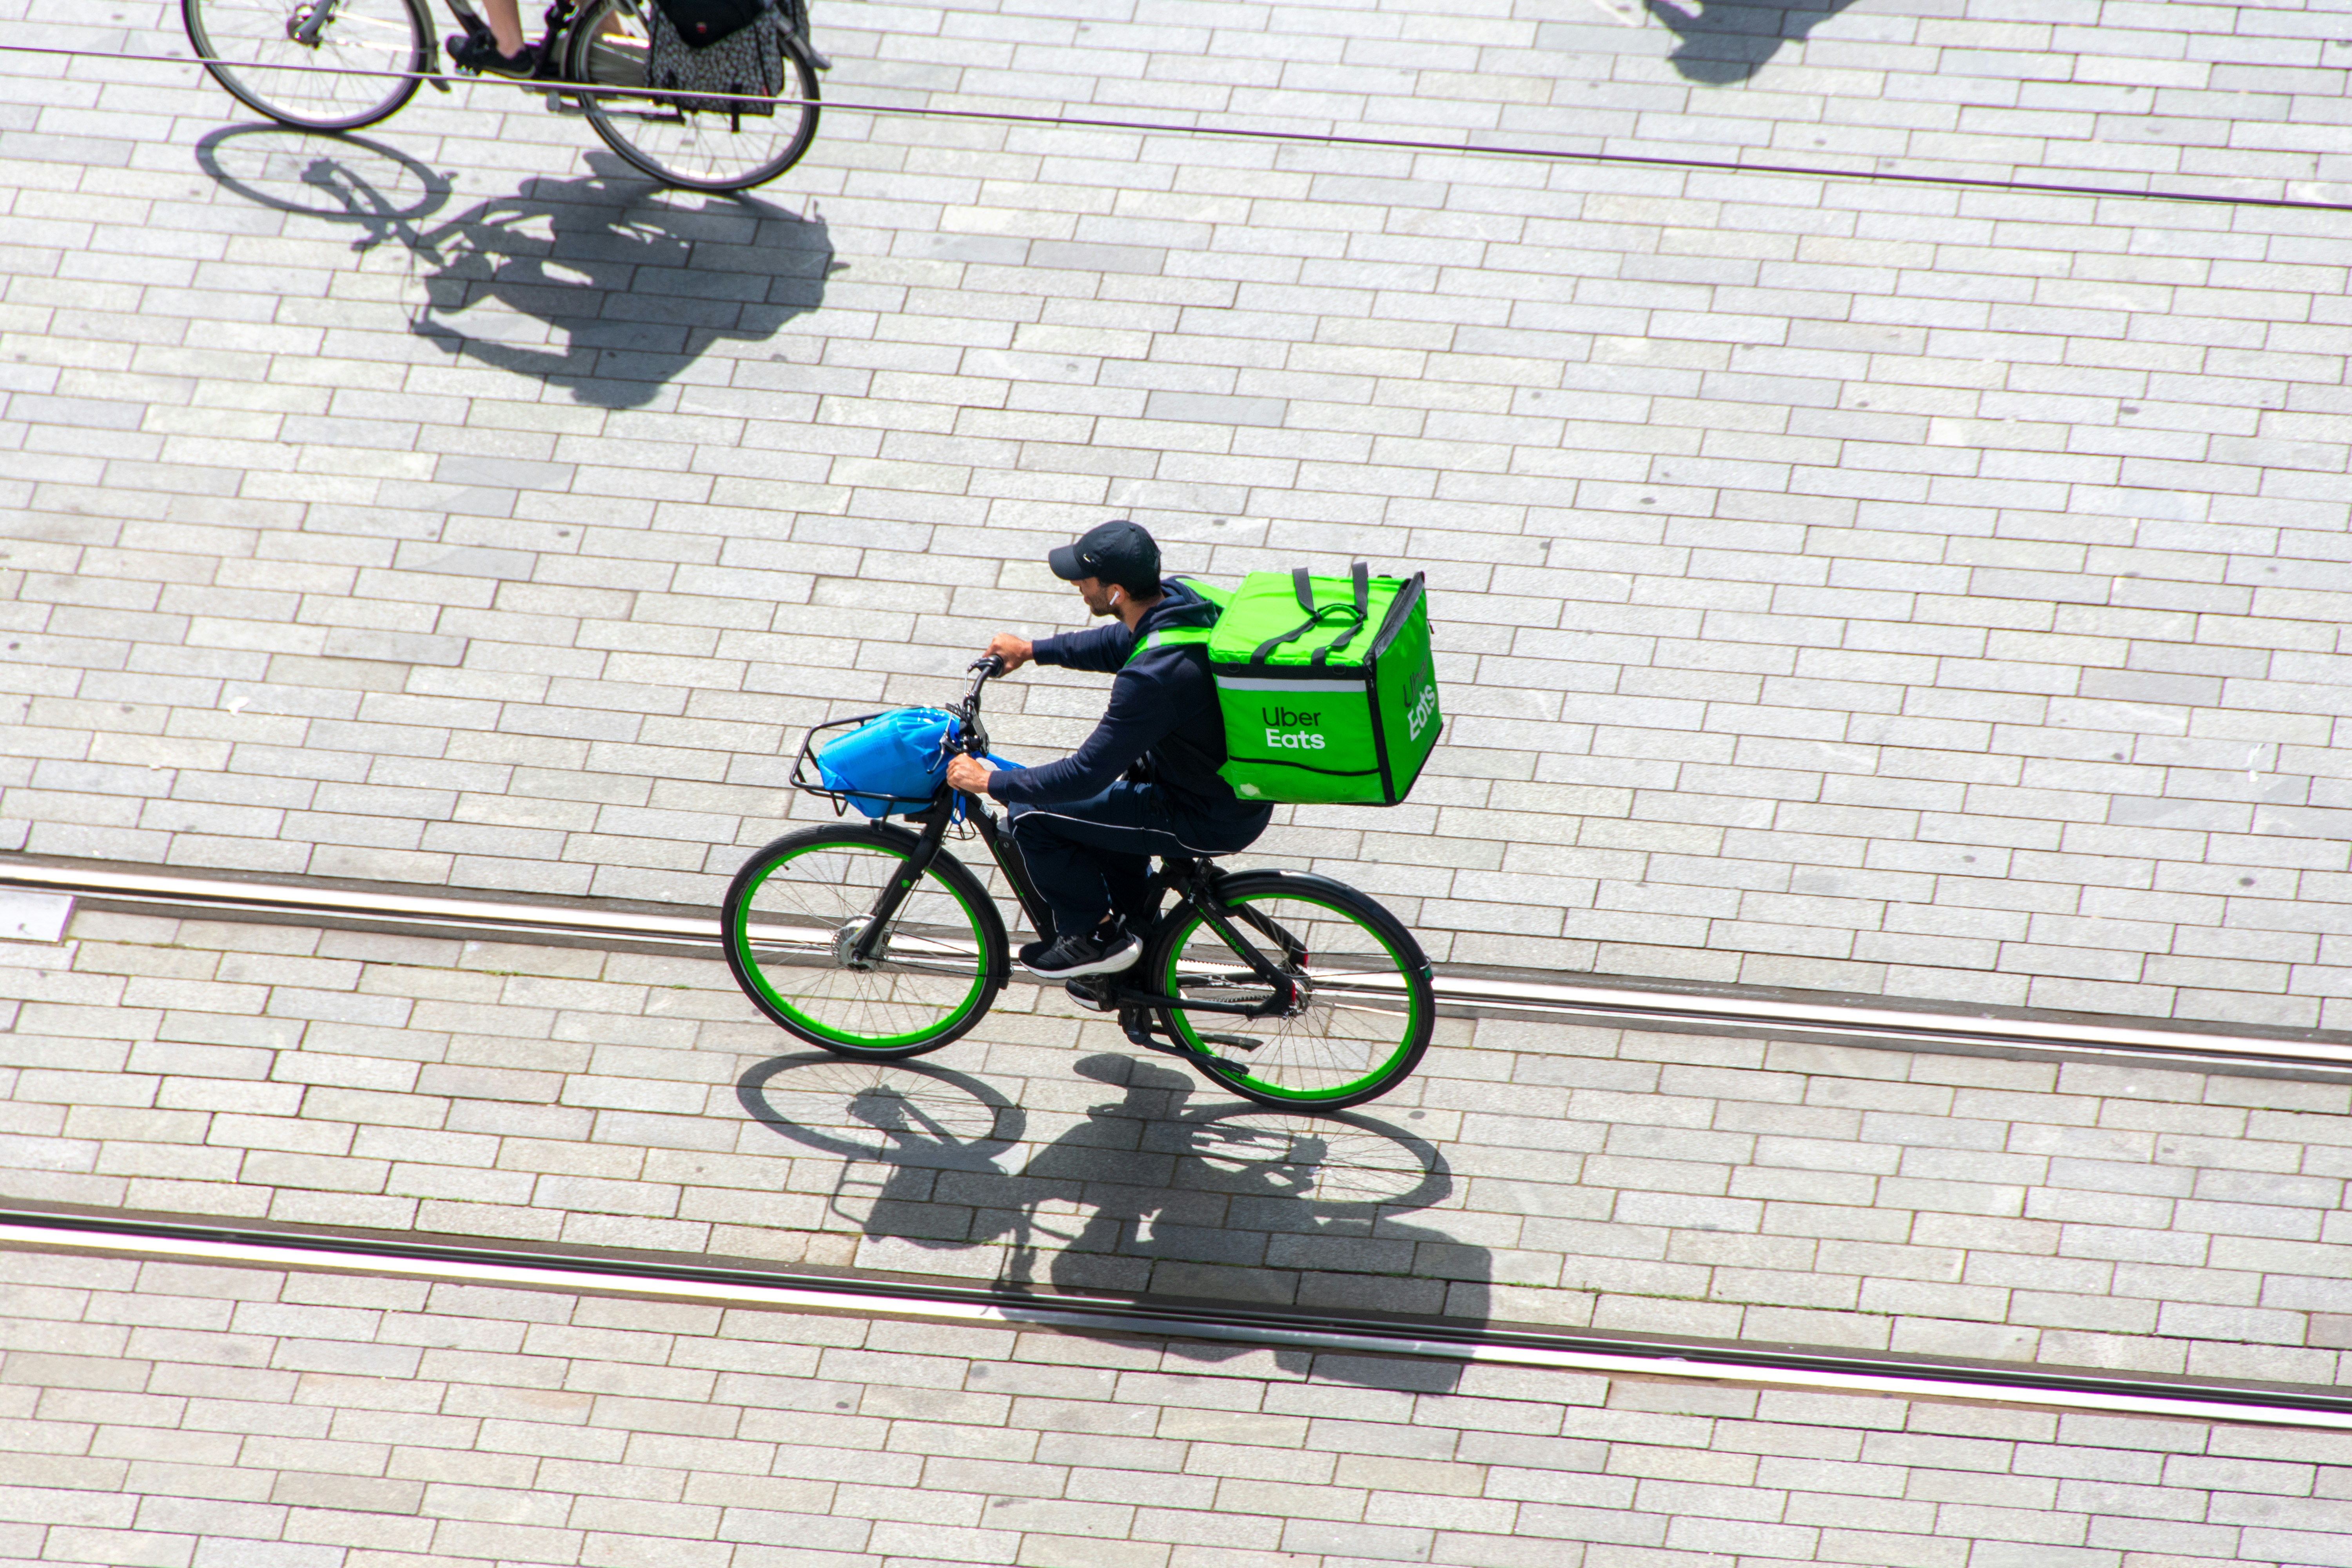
808 779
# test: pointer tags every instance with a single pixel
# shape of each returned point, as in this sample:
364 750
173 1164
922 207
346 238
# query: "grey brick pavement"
178 1415
1878 588
1640 1182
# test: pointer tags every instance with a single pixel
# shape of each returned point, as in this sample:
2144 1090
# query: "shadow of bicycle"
1144 1195
603 285
1725 41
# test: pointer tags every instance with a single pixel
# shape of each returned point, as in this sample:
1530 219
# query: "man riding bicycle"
1144 784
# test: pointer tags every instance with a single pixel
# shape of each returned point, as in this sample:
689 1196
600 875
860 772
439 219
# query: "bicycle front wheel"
1363 1007
695 151
792 923
320 65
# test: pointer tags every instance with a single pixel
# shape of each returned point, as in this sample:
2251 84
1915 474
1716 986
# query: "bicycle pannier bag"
1327 685
741 58
702 23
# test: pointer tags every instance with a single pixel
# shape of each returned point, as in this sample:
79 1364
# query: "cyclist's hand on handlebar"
1013 651
968 774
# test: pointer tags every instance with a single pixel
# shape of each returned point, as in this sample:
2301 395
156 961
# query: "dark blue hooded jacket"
1163 712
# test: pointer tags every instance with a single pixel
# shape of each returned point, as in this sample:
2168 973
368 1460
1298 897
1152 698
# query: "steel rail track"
2300 1054
1616 1355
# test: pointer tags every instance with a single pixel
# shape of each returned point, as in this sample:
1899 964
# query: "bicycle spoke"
799 914
354 68
1358 1016
611 47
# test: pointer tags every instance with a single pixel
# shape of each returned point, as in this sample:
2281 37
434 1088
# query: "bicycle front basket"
892 763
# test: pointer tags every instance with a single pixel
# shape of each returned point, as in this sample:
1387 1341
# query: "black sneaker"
479 52
1103 951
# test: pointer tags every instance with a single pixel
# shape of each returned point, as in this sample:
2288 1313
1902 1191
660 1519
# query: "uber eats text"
1420 711
1297 740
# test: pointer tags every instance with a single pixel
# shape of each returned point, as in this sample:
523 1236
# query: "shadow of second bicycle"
603 286
1140 1194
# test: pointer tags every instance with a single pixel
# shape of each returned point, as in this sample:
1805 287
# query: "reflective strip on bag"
1243 683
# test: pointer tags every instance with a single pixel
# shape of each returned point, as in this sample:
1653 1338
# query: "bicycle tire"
691 151
793 909
249 48
1367 1010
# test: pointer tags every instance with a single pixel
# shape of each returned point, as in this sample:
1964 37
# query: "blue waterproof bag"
893 764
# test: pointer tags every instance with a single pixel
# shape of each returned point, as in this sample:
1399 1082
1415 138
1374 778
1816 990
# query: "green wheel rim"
864 989
1363 1060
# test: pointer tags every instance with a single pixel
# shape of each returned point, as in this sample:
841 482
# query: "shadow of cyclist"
1726 41
628 287
604 285
1140 1197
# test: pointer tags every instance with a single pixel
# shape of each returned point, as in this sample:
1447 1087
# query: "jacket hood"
1181 607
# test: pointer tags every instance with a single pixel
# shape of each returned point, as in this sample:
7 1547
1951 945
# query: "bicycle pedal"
1092 995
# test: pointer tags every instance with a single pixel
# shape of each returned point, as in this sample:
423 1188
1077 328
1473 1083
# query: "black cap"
1117 551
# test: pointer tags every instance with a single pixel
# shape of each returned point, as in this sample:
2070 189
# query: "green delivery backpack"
1328 693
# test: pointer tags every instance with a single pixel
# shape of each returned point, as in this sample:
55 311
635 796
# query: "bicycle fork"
886 903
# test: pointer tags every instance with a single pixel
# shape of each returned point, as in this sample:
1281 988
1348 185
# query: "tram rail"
750 1286
24 914
2305 1054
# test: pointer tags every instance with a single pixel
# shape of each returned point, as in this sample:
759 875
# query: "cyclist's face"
1097 594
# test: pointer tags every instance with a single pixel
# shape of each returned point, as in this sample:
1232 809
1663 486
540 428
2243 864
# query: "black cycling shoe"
1106 951
479 52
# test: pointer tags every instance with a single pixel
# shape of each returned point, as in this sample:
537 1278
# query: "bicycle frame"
1194 881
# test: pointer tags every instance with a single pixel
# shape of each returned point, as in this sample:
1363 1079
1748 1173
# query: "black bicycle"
875 941
338 65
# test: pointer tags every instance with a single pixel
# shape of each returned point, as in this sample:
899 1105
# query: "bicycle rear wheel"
1364 1007
608 48
795 911
279 57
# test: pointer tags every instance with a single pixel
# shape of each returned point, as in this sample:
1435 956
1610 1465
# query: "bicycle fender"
1304 881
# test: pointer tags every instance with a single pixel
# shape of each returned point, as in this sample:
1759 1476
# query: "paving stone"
1541 1172
1844 430
1840 586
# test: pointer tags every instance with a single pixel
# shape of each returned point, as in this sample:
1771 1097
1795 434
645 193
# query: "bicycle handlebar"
985 668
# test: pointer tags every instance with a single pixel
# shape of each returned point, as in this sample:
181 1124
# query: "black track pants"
1092 858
